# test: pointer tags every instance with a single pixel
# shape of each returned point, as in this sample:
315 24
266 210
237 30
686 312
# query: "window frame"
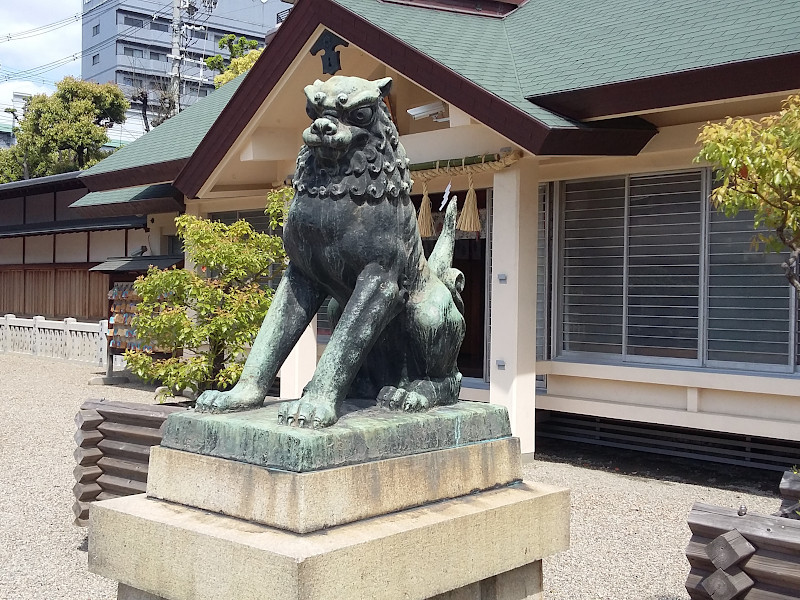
131 21
130 52
555 322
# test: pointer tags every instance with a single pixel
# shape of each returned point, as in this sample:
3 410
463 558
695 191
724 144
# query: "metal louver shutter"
664 236
748 296
593 261
542 275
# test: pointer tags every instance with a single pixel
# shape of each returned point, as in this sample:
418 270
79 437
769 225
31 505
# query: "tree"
758 169
206 317
244 54
164 109
237 67
65 130
237 47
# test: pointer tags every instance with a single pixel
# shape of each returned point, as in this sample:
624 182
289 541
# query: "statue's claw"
397 398
282 413
307 413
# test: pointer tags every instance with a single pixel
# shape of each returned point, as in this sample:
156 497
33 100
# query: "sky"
22 54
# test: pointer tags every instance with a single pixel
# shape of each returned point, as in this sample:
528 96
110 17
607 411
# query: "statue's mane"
375 171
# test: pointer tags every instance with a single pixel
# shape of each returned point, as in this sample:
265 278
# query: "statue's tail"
441 259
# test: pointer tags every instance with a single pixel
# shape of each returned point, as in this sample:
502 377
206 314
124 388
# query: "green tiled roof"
548 46
473 46
564 45
174 139
126 195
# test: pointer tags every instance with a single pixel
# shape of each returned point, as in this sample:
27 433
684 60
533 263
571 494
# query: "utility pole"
175 74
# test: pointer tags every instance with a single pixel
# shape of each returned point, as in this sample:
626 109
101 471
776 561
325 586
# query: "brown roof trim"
135 176
731 80
483 8
40 185
73 226
134 207
494 112
626 136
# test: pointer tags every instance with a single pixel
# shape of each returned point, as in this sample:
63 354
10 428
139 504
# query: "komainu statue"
351 234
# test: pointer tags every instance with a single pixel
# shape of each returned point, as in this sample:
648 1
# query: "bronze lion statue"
351 234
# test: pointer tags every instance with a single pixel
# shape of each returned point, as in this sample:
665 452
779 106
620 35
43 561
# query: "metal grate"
745 451
542 275
663 275
593 259
748 296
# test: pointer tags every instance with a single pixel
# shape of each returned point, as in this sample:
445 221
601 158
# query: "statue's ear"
384 85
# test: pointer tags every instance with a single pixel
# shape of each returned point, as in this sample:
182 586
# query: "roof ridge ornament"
327 42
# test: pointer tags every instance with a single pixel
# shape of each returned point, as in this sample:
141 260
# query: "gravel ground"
628 515
42 554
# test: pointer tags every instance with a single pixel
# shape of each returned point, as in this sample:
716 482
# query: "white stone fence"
68 339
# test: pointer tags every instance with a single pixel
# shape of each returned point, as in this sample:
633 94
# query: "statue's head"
345 112
352 145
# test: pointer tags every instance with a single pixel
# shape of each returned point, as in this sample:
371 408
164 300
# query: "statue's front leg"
375 301
294 305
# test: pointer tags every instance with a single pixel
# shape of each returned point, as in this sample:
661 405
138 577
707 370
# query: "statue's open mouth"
326 153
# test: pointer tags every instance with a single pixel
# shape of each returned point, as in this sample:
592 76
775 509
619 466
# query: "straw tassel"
469 219
425 219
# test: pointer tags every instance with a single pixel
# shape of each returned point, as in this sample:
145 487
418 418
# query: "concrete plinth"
180 553
304 502
523 583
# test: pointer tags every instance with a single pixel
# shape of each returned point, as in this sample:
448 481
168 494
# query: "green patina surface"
363 435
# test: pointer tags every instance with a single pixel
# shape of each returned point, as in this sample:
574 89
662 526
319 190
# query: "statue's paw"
391 397
213 401
307 412
401 399
414 402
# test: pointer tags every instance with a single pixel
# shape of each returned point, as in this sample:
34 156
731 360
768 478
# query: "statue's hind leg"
434 332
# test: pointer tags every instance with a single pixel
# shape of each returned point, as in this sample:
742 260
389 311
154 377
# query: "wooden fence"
58 291
114 440
742 557
68 339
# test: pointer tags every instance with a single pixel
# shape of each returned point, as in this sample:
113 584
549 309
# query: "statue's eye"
311 112
360 116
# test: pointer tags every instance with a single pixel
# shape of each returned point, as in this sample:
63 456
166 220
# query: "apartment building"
130 43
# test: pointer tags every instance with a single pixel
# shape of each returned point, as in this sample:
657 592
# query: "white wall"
39 249
138 238
11 251
103 244
71 247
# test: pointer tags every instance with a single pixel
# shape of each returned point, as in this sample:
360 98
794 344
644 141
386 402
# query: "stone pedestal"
445 516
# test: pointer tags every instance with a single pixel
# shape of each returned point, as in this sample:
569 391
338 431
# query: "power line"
38 70
21 35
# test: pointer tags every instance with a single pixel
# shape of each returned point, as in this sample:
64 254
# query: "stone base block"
305 502
523 583
180 553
